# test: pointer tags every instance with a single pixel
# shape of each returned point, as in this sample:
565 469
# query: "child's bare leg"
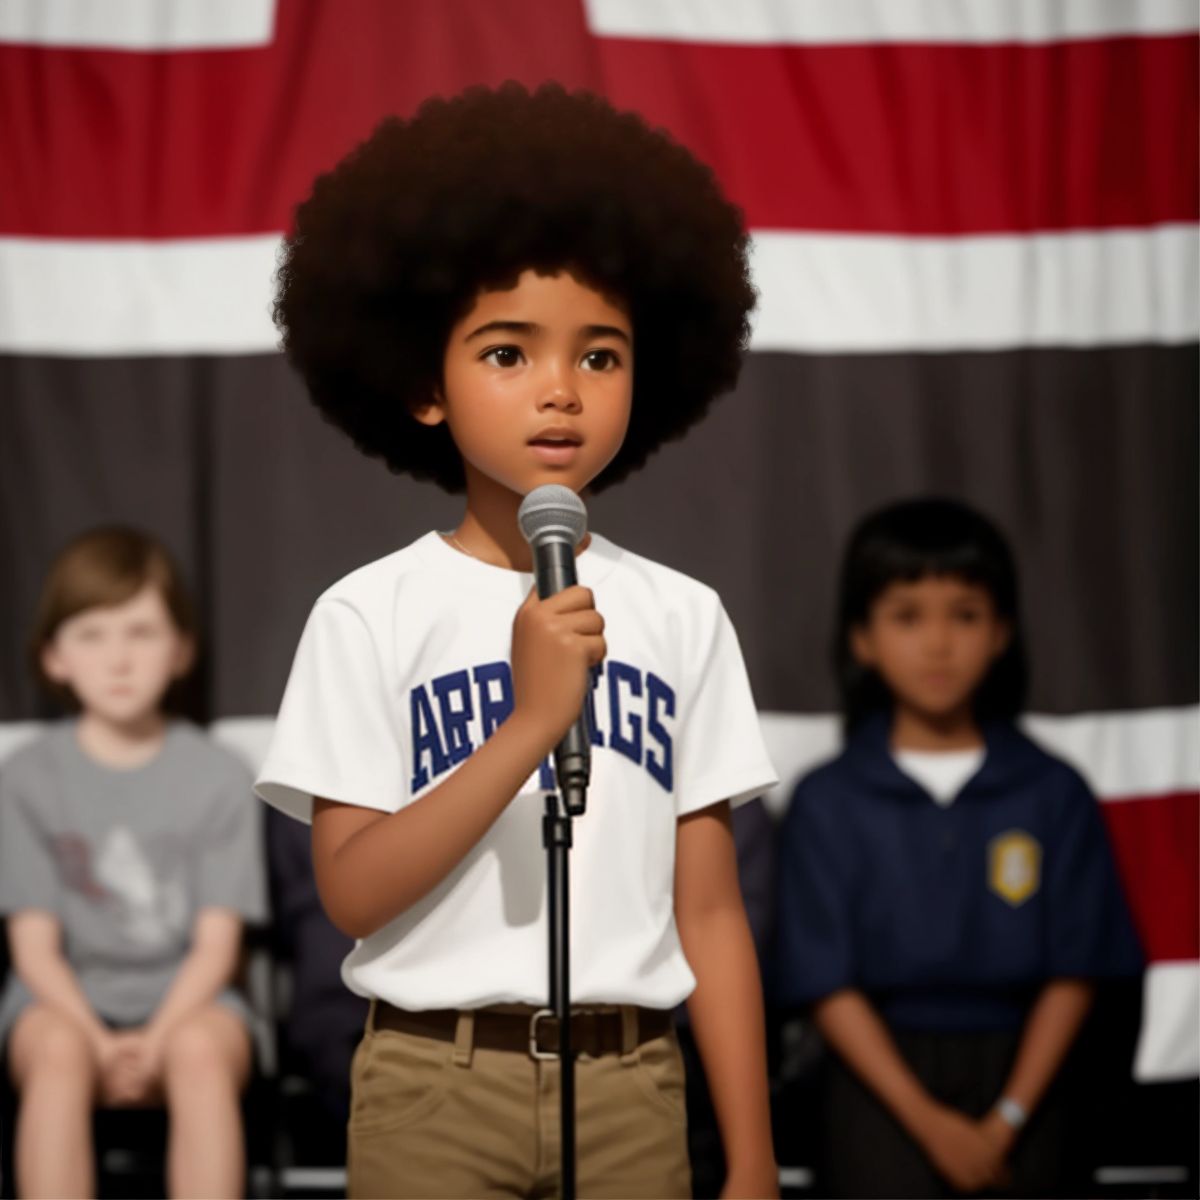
206 1060
54 1069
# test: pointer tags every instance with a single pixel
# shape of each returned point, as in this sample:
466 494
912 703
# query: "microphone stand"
556 837
572 768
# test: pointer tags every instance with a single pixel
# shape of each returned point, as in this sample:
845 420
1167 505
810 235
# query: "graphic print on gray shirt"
125 858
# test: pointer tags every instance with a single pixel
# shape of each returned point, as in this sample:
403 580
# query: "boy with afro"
507 290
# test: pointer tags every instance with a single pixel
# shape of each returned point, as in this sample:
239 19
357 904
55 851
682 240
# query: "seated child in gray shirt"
130 855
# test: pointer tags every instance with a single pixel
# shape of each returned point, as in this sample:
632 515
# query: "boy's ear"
860 646
433 412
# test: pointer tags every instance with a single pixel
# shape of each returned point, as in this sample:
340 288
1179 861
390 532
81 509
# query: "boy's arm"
371 866
208 967
35 944
726 1008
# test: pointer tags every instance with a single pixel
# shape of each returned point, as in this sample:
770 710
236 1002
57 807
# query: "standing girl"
947 891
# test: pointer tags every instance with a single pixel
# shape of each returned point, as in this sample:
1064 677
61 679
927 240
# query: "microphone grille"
552 512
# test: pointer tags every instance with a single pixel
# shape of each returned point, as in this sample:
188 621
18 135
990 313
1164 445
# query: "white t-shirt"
403 669
942 773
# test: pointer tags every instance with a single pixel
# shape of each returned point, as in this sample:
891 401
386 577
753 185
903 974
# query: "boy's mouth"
556 446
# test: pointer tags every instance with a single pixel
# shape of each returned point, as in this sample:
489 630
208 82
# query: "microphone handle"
554 566
554 569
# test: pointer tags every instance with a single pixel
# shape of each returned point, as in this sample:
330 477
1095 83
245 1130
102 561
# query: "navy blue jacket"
947 918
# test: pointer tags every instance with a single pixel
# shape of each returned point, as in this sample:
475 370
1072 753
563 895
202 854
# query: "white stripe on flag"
768 22
1152 752
819 292
247 737
824 292
113 298
1149 752
14 734
1144 752
797 742
1140 753
1122 754
138 24
1169 1043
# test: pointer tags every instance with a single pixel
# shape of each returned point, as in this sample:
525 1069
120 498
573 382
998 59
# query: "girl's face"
119 660
932 641
537 384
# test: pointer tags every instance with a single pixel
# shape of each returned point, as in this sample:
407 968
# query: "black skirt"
869 1153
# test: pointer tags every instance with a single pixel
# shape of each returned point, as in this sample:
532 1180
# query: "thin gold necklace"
455 542
470 553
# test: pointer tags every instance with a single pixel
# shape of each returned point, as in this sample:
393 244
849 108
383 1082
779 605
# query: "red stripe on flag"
889 138
107 144
928 139
1156 841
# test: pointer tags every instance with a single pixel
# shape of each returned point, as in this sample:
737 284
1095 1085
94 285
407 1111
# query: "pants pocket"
396 1079
660 1073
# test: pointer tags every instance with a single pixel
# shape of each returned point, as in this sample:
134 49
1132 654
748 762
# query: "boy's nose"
560 395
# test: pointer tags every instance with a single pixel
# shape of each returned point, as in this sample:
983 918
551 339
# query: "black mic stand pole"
569 800
556 836
561 806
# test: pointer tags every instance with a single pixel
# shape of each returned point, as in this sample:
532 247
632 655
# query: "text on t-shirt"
455 712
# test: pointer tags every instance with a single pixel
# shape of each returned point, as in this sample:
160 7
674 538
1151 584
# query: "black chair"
310 1148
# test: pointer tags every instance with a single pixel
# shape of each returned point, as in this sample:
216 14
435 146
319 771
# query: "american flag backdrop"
974 236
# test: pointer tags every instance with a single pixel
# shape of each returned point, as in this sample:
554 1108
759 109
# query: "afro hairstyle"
396 242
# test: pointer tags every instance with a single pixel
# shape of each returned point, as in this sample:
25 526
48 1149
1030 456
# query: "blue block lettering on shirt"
426 740
455 716
442 732
629 744
493 709
597 738
659 694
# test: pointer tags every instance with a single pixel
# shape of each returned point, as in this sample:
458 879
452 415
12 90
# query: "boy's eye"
601 360
503 356
968 616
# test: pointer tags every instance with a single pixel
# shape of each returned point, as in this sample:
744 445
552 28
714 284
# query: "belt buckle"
534 1052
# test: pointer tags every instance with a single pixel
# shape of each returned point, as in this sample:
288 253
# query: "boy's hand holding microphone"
555 643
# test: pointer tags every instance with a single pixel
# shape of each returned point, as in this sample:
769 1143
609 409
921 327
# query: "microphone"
553 521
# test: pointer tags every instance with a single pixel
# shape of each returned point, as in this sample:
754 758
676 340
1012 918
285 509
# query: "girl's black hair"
908 541
397 240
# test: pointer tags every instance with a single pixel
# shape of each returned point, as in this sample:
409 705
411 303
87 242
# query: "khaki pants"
432 1118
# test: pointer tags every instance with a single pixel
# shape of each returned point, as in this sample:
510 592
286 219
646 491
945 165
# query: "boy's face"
537 384
932 641
119 660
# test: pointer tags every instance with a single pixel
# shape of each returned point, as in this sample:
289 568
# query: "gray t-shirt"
126 858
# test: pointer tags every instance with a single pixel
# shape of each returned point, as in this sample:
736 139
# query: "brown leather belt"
529 1030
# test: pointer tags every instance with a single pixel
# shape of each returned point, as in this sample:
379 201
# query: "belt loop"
629 1034
464 1037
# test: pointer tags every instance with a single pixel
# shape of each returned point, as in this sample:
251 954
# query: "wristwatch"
1011 1112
